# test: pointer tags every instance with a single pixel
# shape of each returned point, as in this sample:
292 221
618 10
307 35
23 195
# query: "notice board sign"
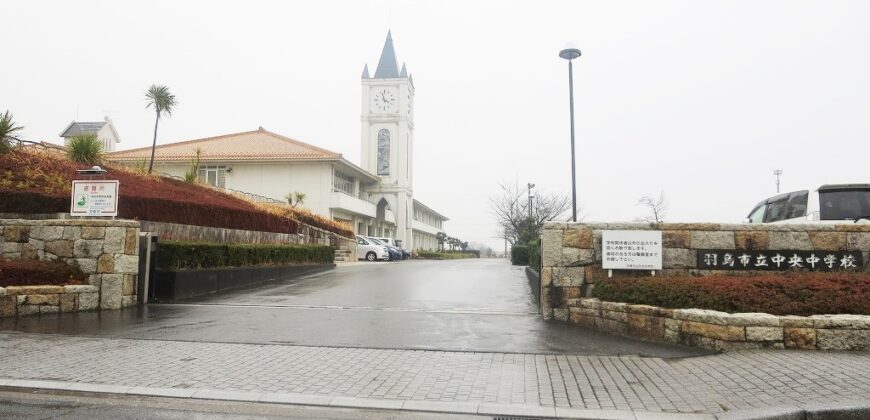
94 198
631 250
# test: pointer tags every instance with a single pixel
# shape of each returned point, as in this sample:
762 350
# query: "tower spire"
365 73
388 68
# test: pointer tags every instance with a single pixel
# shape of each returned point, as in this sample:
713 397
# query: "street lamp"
570 53
777 172
530 198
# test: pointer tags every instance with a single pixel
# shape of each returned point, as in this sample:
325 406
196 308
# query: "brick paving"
707 384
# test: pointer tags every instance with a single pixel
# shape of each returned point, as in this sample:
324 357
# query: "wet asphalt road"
464 305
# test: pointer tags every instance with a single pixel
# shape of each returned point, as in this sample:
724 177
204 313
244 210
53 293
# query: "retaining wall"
106 250
723 331
307 235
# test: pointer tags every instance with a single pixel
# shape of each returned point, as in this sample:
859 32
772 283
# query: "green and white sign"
94 198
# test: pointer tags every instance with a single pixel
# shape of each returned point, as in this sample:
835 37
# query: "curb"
856 410
470 408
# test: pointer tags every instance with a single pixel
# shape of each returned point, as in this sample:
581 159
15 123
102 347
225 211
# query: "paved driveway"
465 305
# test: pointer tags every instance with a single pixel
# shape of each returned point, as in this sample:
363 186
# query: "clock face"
385 100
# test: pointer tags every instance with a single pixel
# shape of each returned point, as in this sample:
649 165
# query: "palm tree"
7 129
295 198
159 98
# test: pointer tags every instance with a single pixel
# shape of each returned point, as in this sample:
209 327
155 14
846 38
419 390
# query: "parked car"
370 250
396 244
395 253
829 203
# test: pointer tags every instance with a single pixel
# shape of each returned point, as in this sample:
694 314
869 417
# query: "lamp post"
530 185
570 53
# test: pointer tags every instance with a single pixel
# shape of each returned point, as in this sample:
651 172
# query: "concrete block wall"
105 250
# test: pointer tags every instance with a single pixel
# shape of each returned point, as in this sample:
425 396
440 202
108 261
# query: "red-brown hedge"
777 294
39 183
38 273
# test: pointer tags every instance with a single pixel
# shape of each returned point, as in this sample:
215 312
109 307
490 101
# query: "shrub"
520 255
85 149
7 129
36 273
535 254
778 294
172 255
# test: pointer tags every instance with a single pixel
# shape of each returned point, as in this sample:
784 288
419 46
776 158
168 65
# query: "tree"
510 207
657 208
441 237
192 174
159 98
7 129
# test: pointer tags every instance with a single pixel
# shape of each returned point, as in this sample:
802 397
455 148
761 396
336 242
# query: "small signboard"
779 260
94 198
631 250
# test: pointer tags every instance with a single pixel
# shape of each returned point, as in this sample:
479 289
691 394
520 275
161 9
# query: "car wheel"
371 256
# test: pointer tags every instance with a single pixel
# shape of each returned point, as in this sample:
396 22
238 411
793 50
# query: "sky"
700 100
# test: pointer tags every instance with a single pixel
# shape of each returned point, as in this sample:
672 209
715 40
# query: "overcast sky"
699 99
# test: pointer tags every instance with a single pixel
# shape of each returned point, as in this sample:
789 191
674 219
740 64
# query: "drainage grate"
516 418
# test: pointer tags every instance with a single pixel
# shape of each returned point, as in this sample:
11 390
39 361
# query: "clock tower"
388 144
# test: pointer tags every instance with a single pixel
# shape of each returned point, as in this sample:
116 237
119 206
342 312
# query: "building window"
342 183
384 152
213 175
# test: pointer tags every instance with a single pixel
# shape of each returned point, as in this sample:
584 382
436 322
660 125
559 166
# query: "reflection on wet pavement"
467 305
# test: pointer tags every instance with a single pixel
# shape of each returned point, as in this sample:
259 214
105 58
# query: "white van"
368 250
829 203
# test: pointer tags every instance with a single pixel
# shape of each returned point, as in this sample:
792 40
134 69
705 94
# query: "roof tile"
259 144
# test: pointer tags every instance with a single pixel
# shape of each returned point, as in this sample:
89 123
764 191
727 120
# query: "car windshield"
376 242
845 204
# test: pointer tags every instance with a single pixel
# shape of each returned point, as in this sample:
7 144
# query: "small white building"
104 130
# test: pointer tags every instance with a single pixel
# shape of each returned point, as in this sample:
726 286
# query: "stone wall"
106 250
571 255
722 331
307 235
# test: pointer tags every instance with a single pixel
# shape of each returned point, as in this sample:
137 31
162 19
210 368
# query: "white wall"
277 180
107 137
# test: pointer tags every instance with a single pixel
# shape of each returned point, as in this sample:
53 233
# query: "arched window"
384 152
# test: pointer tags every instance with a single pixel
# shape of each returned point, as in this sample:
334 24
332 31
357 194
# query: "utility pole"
777 172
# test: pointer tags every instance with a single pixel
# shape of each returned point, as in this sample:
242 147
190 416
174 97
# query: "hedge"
535 254
172 255
777 294
38 273
39 182
520 255
448 255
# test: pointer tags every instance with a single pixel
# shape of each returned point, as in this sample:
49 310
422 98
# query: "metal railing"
252 196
